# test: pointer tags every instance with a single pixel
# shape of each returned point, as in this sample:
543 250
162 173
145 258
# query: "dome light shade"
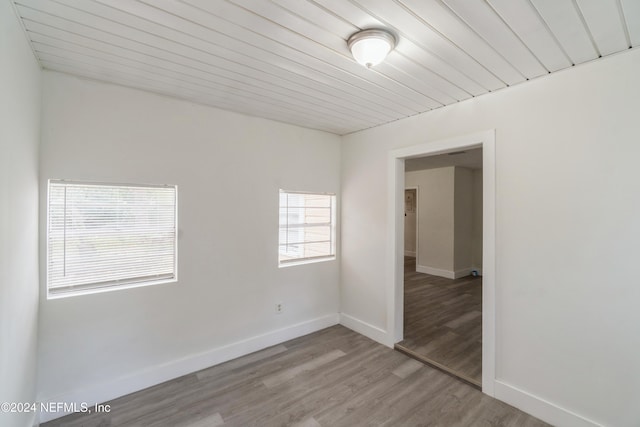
370 47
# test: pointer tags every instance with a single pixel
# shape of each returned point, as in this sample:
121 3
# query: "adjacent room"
443 263
202 213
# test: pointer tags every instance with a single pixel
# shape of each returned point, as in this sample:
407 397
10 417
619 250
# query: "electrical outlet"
279 308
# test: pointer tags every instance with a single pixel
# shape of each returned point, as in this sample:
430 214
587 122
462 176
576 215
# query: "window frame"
113 285
332 225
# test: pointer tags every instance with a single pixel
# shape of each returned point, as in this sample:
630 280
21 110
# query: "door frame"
417 198
395 250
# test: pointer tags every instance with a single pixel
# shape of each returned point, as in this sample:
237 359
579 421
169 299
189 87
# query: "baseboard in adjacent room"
540 408
436 271
106 391
463 272
410 253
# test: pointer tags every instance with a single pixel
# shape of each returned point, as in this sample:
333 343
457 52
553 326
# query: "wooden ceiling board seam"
464 38
416 50
516 35
336 107
606 25
531 28
415 68
529 66
312 106
341 54
115 74
320 109
391 70
164 38
360 93
355 71
155 24
365 94
551 33
14 7
406 58
631 10
433 64
122 50
419 55
356 94
432 86
417 71
297 25
454 55
563 21
299 7
160 91
337 27
120 35
231 91
576 6
359 89
623 22
288 60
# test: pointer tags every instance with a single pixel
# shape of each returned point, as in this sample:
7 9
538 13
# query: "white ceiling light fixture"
370 47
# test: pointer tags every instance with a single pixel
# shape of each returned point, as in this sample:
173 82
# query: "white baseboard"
463 272
435 271
103 392
540 408
366 329
410 253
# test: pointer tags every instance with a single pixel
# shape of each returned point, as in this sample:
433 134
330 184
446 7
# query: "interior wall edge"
20 119
368 330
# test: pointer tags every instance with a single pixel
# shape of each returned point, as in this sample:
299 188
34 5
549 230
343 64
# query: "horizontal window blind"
307 226
103 236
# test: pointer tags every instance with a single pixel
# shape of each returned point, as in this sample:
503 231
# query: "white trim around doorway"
395 252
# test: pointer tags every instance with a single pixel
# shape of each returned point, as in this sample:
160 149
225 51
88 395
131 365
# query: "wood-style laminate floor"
443 321
334 377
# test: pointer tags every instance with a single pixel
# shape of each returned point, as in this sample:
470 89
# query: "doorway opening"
443 262
410 221
396 255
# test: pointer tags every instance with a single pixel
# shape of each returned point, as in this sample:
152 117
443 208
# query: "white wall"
228 168
568 203
435 218
445 220
463 221
476 227
20 78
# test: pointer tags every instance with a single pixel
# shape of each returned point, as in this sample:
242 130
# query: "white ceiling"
467 158
288 60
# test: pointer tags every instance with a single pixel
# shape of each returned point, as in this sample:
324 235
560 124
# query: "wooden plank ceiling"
288 60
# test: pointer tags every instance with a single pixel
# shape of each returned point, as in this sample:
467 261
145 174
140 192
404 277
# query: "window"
307 227
105 236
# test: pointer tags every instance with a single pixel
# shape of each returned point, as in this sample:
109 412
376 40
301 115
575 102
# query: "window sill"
108 289
305 261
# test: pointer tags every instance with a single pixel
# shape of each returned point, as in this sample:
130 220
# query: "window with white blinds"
307 227
105 236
